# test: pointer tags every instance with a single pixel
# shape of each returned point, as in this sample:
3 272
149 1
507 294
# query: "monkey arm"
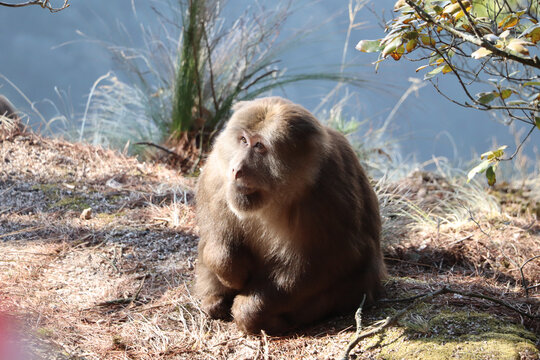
223 253
230 265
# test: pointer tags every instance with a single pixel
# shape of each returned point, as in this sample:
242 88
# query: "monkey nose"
238 174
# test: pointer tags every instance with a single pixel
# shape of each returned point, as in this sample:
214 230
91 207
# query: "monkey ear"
240 104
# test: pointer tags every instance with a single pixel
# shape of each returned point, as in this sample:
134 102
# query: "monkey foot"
217 307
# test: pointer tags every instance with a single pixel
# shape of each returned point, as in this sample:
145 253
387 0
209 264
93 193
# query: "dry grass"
118 285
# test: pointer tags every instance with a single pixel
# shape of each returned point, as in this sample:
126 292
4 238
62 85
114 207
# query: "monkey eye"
243 140
259 146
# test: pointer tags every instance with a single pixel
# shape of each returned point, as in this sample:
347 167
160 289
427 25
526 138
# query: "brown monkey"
7 109
289 224
9 119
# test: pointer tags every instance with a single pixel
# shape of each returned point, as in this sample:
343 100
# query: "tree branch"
480 42
45 4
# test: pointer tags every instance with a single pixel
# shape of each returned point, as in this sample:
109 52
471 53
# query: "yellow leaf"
509 21
426 40
396 55
459 15
480 53
518 45
446 69
421 68
535 35
450 9
411 44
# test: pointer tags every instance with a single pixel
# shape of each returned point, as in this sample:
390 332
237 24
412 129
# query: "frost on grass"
118 285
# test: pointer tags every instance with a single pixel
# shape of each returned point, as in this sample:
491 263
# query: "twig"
494 300
387 322
416 300
258 78
45 4
523 280
162 148
358 318
460 240
521 144
469 19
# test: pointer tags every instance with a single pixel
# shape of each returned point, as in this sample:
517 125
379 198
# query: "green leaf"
486 98
433 72
478 169
490 175
369 46
537 122
506 93
532 83
411 35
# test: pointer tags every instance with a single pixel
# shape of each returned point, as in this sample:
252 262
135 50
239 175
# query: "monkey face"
267 153
250 180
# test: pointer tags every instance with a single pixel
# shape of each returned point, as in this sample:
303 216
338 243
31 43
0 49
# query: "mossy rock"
454 335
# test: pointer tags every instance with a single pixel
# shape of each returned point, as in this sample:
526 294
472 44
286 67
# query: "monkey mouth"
244 190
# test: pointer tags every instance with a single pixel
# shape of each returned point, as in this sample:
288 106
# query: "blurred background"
50 62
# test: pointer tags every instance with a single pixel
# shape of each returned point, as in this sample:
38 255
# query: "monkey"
7 109
9 119
289 224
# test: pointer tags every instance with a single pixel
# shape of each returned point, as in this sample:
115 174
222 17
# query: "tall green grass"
189 74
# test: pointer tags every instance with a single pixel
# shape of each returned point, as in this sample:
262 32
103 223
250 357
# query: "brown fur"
290 230
7 109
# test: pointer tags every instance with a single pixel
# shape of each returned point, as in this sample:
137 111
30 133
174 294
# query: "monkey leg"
252 313
216 298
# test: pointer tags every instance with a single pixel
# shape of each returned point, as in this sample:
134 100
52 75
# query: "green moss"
47 189
53 193
453 335
44 332
72 203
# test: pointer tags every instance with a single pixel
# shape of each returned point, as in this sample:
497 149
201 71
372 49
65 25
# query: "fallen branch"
390 320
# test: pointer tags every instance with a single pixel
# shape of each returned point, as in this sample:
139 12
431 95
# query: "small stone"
86 214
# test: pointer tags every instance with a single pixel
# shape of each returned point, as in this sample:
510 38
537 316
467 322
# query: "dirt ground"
114 282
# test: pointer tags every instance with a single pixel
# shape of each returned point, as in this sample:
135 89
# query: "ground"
115 282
